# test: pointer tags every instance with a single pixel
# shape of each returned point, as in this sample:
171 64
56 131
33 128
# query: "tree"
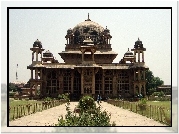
12 87
152 82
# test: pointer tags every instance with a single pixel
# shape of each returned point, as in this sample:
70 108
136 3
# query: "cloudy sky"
152 26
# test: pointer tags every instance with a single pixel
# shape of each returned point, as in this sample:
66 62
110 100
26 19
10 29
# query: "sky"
152 26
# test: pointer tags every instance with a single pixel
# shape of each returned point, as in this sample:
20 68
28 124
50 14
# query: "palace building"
88 67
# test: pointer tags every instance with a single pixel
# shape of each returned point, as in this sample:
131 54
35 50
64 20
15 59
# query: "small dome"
37 43
138 44
47 54
88 41
69 31
106 30
128 53
47 51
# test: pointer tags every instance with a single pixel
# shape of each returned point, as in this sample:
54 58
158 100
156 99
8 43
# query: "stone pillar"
138 56
36 74
31 74
35 89
92 56
134 75
135 56
82 56
139 88
103 82
114 83
37 55
142 56
139 76
144 90
134 88
72 80
82 81
41 56
144 74
32 56
41 73
31 89
93 82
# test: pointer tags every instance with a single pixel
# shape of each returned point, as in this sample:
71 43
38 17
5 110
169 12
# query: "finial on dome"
88 18
138 39
106 27
128 49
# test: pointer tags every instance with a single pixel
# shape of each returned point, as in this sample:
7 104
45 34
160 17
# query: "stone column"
144 89
138 56
134 75
82 81
142 56
144 74
41 56
139 76
31 74
93 82
135 56
31 89
82 56
36 74
32 56
103 82
35 89
36 55
92 56
44 84
134 88
114 83
41 73
139 88
72 80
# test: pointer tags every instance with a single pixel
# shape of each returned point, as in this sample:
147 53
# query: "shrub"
86 103
48 99
98 118
63 96
142 104
11 94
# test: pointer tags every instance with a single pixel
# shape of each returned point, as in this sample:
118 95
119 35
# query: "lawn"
159 111
19 107
14 103
166 104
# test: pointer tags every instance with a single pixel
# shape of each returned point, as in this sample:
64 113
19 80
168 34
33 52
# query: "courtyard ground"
120 116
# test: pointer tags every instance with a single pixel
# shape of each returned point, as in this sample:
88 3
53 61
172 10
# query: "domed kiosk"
100 38
88 67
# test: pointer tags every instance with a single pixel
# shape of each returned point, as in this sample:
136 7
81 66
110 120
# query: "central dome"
88 29
88 26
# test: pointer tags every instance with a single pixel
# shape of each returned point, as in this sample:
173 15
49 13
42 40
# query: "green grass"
166 104
153 109
13 103
22 107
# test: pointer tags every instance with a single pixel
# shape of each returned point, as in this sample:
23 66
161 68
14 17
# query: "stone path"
120 116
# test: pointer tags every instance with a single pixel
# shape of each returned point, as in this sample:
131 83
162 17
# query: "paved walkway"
120 116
